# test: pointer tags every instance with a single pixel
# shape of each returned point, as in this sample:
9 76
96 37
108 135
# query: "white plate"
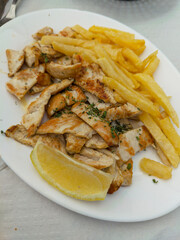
143 200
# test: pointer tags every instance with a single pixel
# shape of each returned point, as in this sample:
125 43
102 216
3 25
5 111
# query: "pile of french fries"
131 79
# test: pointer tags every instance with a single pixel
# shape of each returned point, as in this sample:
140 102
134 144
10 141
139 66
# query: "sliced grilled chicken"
127 171
22 82
47 53
42 32
65 60
96 142
67 123
133 141
62 71
15 61
73 94
109 153
32 54
94 158
67 32
74 144
56 103
43 81
89 115
92 99
36 89
125 111
90 79
20 134
35 111
117 180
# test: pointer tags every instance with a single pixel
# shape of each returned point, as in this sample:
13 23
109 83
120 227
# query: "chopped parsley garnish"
129 166
104 114
2 132
44 56
154 181
137 138
100 101
116 127
69 89
58 114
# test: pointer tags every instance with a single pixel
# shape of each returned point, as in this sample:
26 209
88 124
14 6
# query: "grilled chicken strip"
94 158
67 32
109 153
65 60
117 180
133 141
56 103
32 54
70 96
20 134
23 81
74 144
85 112
15 61
43 81
35 111
90 79
92 99
47 53
73 94
127 171
125 111
96 142
62 71
42 32
67 123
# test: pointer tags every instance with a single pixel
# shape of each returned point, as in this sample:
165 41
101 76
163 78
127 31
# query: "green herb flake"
58 114
2 132
129 166
137 138
104 114
154 181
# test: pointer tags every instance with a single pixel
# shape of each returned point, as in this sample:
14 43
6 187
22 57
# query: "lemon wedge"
69 176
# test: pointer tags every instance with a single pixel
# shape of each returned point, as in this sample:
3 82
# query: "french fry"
170 132
152 66
87 54
98 29
140 50
161 139
126 64
132 96
46 40
118 98
156 169
85 33
162 156
110 71
150 57
78 36
124 42
102 38
157 92
146 94
133 58
114 71
112 51
130 75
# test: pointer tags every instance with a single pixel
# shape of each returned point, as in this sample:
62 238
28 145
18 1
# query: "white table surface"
24 213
